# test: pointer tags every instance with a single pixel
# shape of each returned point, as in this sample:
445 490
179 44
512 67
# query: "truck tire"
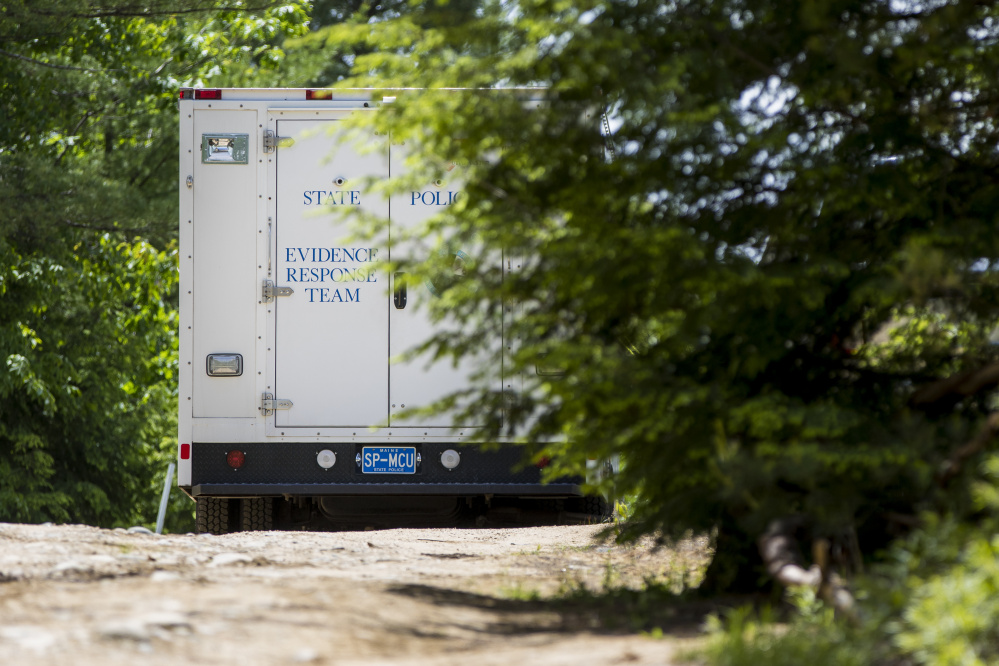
591 505
212 515
258 514
598 506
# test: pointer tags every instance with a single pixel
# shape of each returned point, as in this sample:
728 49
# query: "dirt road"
81 595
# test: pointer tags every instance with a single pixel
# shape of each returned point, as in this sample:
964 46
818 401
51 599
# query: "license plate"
388 460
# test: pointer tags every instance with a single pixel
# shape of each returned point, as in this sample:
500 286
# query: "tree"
320 61
769 283
88 178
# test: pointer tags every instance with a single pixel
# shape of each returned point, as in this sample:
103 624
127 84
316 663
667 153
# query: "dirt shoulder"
82 595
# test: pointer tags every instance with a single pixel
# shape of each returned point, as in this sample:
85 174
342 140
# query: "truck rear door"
331 334
340 339
417 381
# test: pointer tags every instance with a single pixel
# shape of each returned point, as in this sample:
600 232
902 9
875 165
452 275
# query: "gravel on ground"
72 594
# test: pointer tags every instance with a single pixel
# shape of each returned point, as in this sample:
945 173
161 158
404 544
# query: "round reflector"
326 458
235 458
450 459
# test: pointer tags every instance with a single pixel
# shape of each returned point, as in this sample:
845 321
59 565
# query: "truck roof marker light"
186 93
318 93
235 458
185 451
208 93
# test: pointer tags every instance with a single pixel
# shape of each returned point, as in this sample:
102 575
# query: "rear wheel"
213 515
594 506
222 515
258 513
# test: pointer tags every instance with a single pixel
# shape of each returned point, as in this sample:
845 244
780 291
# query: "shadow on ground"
654 610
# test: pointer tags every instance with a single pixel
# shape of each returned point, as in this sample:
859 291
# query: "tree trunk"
736 567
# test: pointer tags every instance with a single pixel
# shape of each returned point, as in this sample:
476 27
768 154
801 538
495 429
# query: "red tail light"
319 94
212 93
235 458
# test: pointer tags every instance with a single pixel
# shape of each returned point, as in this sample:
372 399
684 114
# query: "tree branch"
952 466
957 386
106 229
148 13
73 132
42 63
152 172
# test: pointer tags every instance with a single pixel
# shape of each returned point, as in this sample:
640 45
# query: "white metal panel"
331 334
227 430
225 286
513 383
420 381
186 286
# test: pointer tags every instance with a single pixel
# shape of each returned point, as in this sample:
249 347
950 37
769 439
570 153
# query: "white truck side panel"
228 430
225 267
185 182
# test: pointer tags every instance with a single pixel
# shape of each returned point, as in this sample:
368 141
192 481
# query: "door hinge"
270 291
268 404
273 141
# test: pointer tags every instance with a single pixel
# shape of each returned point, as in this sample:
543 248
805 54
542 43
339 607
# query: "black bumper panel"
318 490
290 468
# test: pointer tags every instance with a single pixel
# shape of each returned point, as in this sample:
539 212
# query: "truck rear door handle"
399 296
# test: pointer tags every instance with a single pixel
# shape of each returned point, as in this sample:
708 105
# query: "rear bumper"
319 490
291 468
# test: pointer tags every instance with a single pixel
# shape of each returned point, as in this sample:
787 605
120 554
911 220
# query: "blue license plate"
388 460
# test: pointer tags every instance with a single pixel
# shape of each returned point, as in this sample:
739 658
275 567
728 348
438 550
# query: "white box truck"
291 409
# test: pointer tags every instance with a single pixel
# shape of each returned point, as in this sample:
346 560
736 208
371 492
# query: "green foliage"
950 570
88 269
816 639
320 58
788 232
952 617
932 601
89 360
